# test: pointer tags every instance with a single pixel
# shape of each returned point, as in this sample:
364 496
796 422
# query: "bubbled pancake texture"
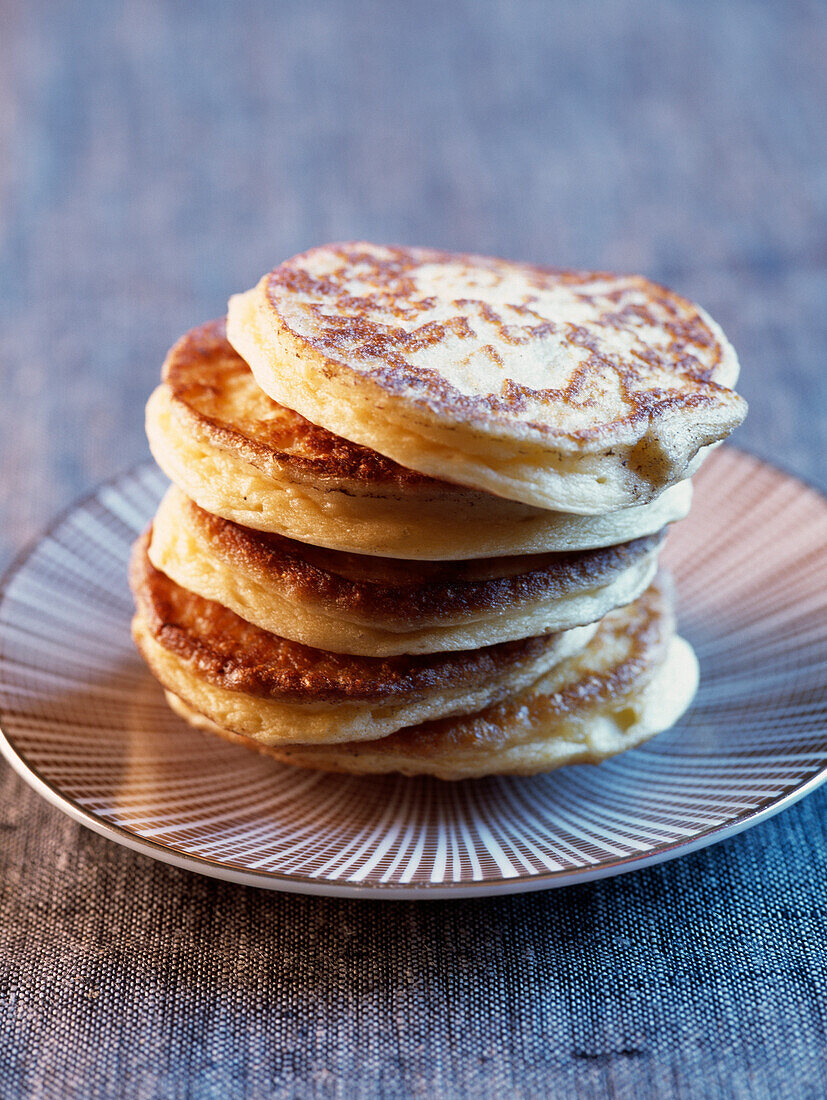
317 599
573 355
575 391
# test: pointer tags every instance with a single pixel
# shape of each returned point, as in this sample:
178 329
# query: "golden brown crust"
645 626
356 305
228 652
628 650
205 376
412 591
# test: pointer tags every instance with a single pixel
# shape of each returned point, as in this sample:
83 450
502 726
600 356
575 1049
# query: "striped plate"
87 726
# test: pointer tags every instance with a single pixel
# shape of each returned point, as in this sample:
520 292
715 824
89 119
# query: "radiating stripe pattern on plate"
80 707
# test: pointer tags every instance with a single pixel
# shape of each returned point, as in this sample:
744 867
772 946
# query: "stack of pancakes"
418 500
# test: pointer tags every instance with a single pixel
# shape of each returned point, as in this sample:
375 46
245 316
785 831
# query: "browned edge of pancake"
648 625
220 647
199 371
412 591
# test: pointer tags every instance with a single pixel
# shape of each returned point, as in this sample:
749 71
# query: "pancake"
275 690
574 391
378 607
633 680
243 457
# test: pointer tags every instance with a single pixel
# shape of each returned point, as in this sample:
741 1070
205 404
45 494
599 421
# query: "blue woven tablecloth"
704 977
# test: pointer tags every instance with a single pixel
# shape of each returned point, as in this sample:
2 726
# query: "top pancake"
575 391
242 456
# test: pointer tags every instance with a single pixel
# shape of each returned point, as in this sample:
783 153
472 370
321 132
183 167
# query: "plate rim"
304 884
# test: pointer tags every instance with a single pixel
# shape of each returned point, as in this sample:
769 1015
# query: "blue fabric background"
704 977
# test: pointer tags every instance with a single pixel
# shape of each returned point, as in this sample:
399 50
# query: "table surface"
159 156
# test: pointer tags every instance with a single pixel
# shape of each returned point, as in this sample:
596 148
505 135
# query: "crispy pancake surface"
575 391
265 685
358 604
633 679
242 456
211 383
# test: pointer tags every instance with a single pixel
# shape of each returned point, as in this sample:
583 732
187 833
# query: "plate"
87 726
